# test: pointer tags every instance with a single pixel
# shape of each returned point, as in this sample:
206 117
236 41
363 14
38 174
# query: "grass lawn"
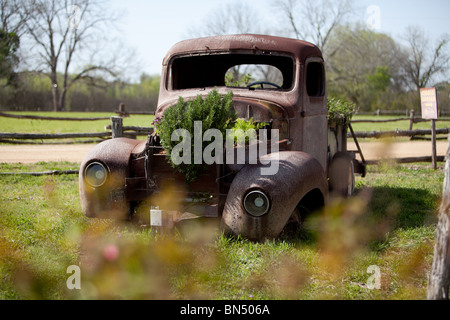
47 126
390 126
389 224
65 126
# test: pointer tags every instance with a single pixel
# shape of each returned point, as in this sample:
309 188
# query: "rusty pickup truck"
274 80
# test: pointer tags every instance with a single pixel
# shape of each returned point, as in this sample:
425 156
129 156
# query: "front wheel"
303 221
342 175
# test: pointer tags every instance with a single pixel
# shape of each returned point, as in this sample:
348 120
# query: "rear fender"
108 201
298 174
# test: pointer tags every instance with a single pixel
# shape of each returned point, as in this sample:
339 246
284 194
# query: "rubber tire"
342 175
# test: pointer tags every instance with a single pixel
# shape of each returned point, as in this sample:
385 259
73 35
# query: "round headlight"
95 174
256 203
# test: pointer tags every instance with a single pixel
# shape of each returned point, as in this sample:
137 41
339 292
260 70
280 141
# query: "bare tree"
314 20
234 18
425 61
12 19
64 33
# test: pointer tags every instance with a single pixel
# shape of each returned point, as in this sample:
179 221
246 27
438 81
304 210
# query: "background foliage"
369 68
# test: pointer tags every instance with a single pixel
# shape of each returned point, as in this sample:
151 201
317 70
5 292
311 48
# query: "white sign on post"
428 101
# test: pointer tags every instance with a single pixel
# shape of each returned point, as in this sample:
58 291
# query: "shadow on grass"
376 213
402 208
397 209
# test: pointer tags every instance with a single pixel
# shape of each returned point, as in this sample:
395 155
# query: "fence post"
439 279
433 144
411 119
122 108
116 127
122 112
411 122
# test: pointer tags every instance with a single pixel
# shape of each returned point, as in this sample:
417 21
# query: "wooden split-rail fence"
117 129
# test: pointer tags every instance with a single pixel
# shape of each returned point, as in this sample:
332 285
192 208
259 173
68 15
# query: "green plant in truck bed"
339 110
214 111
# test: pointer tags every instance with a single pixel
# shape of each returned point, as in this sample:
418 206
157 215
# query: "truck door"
315 112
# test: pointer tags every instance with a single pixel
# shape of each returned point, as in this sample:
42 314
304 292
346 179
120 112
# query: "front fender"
100 202
298 174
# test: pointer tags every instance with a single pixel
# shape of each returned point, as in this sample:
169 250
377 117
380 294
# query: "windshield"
253 71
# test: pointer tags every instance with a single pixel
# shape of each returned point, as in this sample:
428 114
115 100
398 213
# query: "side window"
315 79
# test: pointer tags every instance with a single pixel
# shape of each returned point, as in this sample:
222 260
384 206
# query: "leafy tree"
379 80
9 44
364 67
12 19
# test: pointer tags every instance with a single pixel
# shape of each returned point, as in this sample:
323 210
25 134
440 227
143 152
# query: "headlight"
256 203
95 174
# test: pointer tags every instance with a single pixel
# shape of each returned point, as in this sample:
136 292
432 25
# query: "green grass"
390 223
37 216
390 126
64 126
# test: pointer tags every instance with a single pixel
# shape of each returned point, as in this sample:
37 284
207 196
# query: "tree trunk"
55 89
55 96
62 100
439 280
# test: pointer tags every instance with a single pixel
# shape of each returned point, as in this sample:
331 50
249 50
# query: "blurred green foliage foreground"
388 225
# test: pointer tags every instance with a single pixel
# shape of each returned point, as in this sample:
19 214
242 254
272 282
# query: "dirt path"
395 150
76 152
37 153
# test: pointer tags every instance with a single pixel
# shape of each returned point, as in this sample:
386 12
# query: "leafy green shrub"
214 111
230 80
340 111
241 130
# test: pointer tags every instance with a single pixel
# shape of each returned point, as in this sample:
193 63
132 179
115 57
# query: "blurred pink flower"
111 252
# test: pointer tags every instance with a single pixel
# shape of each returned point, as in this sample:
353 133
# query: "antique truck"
125 178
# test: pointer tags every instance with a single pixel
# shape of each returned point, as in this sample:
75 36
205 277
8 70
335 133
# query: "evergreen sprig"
214 111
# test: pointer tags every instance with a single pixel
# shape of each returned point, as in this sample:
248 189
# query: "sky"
151 27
